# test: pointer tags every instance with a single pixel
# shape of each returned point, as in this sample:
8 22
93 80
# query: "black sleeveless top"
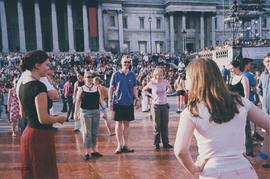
80 83
90 100
27 94
238 88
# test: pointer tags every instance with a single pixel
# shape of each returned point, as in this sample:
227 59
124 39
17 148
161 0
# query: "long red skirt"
38 154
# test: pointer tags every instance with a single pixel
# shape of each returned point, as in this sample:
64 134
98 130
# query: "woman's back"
222 143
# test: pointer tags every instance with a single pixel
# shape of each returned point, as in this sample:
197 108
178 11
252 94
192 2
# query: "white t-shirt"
45 81
223 144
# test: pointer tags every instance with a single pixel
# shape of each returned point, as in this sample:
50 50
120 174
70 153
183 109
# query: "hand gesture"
110 105
137 103
61 119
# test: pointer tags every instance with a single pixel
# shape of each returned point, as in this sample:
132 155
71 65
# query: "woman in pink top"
160 107
217 118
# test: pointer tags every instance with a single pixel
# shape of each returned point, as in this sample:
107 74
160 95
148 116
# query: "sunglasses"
127 62
90 76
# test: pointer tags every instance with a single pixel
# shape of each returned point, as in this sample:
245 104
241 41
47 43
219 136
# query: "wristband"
262 155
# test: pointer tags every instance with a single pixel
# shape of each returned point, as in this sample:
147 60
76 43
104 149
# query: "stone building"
119 25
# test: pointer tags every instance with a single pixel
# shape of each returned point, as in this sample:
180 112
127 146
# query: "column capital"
120 11
171 13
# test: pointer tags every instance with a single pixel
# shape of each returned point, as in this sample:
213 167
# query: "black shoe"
118 151
157 147
167 146
76 130
125 149
86 157
54 128
67 120
96 154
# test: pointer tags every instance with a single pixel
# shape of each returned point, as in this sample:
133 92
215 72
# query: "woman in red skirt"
37 142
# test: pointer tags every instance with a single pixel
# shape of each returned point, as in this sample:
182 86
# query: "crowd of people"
210 101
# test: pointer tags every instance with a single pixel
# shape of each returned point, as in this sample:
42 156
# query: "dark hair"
80 73
33 57
238 63
247 60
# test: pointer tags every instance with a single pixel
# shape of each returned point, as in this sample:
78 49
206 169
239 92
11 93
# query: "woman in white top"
217 118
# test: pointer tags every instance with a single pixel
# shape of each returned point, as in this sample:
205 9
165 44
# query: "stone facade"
123 25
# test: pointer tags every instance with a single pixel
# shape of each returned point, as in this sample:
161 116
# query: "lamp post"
184 32
150 21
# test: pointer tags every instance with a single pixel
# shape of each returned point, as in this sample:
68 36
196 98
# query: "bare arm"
182 143
53 94
9 100
245 84
135 93
110 96
261 119
42 111
75 92
169 90
77 104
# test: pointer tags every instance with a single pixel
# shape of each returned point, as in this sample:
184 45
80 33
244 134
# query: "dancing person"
14 109
240 84
180 88
160 107
264 92
88 101
217 118
38 158
122 92
68 93
79 83
104 95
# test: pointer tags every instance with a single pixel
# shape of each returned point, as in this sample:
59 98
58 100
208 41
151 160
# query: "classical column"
171 34
4 26
38 26
184 28
213 31
21 26
184 21
120 30
100 29
202 31
167 33
260 27
85 28
54 27
70 27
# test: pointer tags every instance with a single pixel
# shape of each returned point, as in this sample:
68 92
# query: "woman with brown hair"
217 118
37 142
180 88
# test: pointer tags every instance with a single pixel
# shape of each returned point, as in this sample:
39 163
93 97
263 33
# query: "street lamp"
184 32
150 21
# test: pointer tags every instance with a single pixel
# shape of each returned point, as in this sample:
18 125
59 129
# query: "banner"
93 21
255 52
